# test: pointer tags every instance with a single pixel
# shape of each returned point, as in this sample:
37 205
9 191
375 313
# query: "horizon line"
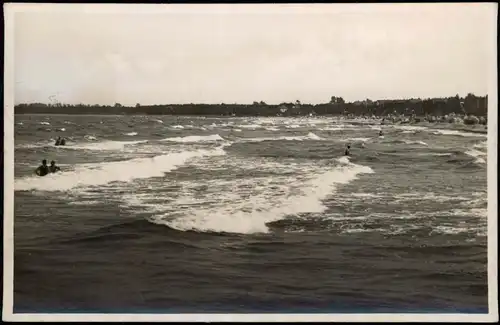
256 101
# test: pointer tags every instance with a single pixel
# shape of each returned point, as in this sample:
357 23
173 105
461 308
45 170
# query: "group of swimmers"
44 169
60 141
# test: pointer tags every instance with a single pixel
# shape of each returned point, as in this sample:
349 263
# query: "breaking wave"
409 142
478 155
196 138
458 133
104 145
98 174
243 216
309 136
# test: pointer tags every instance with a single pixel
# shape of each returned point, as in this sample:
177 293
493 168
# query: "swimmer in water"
43 169
347 151
60 141
380 133
53 168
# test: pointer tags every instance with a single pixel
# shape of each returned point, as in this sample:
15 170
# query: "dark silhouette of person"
53 168
347 151
60 141
43 169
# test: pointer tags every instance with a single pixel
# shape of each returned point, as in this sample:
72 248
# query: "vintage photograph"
330 160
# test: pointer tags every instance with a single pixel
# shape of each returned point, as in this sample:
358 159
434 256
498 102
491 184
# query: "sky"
169 54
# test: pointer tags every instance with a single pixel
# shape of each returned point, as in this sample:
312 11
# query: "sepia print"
250 162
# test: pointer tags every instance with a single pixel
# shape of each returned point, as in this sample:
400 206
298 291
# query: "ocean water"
166 214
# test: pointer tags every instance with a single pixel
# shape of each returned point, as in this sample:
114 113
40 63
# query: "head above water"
52 162
44 162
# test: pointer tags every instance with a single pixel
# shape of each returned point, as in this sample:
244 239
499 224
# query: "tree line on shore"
469 105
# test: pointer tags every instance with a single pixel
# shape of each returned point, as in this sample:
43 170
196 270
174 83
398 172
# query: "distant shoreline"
469 105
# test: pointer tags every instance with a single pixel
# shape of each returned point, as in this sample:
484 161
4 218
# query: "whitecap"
252 216
98 174
196 138
459 133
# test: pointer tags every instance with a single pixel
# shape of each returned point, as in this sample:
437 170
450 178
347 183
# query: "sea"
193 214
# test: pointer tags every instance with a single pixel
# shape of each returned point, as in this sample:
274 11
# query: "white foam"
455 132
313 136
433 154
309 136
351 126
137 200
196 138
35 145
359 230
415 142
88 202
104 145
410 128
480 161
479 212
453 230
265 121
249 126
331 129
356 140
45 123
426 196
365 195
481 145
478 155
177 127
272 129
131 133
343 160
252 216
62 129
100 174
474 153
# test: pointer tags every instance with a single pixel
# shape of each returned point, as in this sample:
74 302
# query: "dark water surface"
190 214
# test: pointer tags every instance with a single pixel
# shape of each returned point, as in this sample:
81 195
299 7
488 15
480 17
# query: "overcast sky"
239 54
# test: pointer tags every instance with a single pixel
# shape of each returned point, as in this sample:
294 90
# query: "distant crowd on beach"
452 118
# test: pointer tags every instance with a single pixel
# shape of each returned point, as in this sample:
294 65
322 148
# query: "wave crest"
118 171
196 138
